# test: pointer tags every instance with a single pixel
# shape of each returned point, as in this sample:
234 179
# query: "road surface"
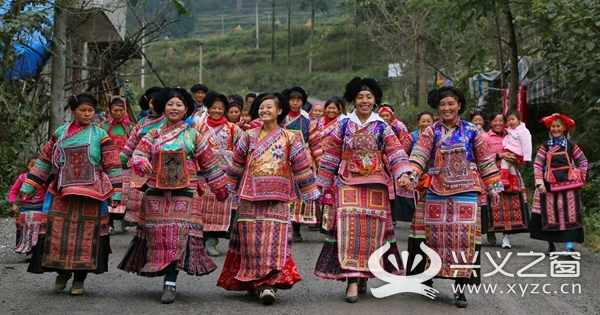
117 292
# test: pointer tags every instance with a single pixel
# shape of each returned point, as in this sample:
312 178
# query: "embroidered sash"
452 173
78 168
225 157
171 170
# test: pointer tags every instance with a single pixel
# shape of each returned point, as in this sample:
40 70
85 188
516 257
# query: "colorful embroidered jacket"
356 154
554 145
298 124
459 159
227 135
317 130
34 203
137 133
400 130
167 170
118 132
65 156
269 168
410 141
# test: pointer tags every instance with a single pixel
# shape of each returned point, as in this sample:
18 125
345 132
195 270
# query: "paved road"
117 292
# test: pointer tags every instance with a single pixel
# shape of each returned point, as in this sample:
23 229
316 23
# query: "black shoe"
362 286
168 296
491 238
351 299
297 238
551 248
460 300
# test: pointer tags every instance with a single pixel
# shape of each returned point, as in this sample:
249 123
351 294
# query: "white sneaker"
506 243
124 228
267 296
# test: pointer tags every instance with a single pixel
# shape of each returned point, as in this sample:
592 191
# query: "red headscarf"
569 123
386 110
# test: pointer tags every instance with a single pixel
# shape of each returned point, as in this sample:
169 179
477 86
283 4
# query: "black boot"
296 236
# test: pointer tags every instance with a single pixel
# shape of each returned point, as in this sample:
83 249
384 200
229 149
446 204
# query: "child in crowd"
245 120
28 212
477 120
517 141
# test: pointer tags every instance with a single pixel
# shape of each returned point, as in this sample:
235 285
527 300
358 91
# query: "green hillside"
232 64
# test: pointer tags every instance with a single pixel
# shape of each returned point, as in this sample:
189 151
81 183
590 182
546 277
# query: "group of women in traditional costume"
351 174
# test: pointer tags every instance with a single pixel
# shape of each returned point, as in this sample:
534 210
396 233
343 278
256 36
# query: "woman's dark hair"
212 97
294 93
82 98
235 97
512 112
235 104
357 84
33 157
280 101
447 91
475 114
421 114
253 95
338 102
160 100
117 100
199 87
495 114
148 96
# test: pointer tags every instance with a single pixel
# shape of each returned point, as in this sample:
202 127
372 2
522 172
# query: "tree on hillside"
288 6
469 11
314 5
272 3
403 29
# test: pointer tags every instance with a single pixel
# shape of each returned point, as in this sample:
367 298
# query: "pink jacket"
13 196
518 141
494 141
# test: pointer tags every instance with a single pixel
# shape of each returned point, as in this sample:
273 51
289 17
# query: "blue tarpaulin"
29 46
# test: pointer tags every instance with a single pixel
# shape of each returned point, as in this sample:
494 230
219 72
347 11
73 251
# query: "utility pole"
222 25
257 40
272 18
143 70
200 64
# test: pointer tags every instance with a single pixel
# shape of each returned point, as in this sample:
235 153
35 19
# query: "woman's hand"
115 203
541 189
509 157
146 167
15 209
495 198
405 183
